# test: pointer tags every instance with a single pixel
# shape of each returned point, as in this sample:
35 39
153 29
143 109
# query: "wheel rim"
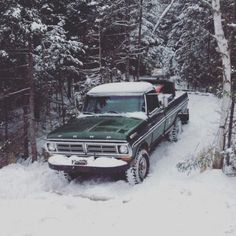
142 168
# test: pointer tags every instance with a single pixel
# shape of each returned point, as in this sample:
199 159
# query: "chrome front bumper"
76 165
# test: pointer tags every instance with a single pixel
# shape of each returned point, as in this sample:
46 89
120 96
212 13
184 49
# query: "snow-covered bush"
198 161
206 159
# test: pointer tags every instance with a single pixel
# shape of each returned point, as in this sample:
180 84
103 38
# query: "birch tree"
223 46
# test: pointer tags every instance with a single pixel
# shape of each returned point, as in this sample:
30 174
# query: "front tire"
139 168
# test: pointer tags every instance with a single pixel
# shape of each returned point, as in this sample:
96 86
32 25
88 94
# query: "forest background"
52 52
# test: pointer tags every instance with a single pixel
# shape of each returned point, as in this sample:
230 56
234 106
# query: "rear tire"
176 130
139 168
185 117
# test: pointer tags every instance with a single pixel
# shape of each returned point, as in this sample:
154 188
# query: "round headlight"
51 147
123 149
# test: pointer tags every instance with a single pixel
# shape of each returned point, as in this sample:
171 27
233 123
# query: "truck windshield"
114 104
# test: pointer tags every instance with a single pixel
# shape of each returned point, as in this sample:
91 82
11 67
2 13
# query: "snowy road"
36 202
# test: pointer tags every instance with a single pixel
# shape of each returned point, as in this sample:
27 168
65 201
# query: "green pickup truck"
117 128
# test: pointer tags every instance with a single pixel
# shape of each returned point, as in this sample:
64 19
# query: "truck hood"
97 127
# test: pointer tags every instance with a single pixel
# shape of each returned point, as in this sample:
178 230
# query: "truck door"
156 119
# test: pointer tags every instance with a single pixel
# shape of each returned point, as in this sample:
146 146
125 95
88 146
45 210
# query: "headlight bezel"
51 147
123 149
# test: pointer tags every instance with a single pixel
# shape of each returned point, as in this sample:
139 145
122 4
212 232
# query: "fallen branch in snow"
200 161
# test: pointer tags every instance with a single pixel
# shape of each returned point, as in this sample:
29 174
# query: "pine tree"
188 48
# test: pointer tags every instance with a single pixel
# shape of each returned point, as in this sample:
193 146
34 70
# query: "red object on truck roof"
159 88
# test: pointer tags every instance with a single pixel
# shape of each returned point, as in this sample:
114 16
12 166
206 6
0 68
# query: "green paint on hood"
97 127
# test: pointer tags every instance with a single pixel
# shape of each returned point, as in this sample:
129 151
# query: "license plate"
79 163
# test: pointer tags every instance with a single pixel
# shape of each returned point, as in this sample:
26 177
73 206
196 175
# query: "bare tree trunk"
233 84
231 121
58 106
49 108
127 45
139 36
6 117
25 129
223 46
62 100
100 46
32 135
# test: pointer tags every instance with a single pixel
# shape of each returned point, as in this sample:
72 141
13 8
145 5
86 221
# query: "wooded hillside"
53 51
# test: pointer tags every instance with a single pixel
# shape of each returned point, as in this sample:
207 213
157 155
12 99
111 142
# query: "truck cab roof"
121 88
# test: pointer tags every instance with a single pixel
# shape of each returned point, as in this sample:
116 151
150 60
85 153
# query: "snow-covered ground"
34 201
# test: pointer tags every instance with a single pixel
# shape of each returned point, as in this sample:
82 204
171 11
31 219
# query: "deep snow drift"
34 201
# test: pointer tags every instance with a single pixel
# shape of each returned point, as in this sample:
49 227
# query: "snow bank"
20 181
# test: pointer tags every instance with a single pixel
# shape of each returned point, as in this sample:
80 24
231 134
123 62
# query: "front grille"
102 149
87 148
69 147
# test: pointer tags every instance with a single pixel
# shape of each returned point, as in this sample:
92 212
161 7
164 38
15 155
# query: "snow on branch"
38 26
3 53
232 25
163 15
206 2
15 93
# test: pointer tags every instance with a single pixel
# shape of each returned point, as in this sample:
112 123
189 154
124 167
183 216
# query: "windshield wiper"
88 113
113 112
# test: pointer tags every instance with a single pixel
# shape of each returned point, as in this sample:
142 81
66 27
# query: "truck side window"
152 101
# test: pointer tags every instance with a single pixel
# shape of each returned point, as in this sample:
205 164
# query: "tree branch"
163 15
